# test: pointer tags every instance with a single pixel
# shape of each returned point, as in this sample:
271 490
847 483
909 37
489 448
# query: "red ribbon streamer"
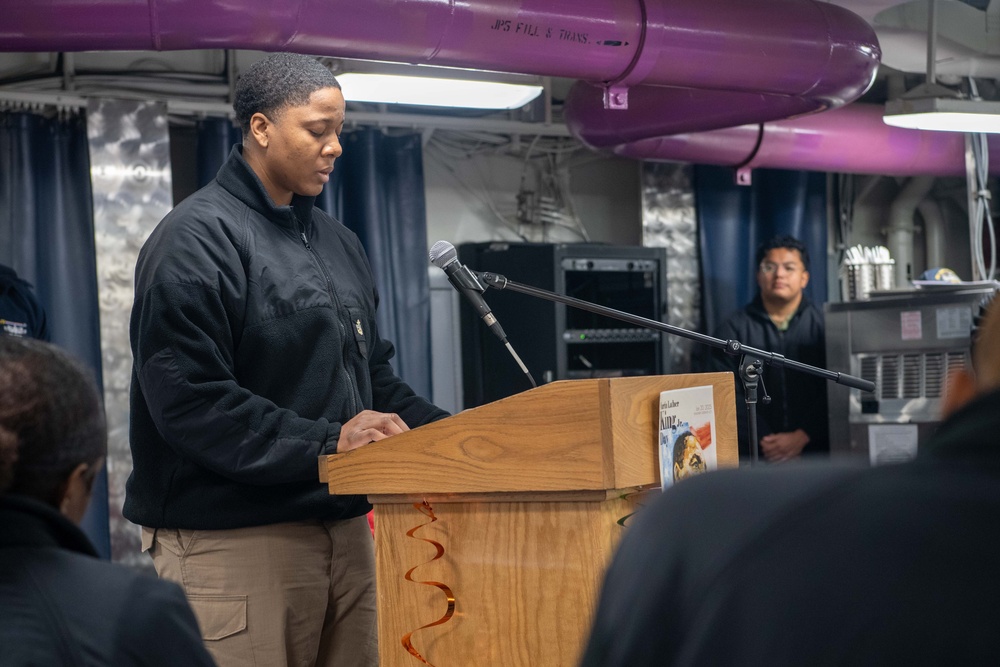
426 509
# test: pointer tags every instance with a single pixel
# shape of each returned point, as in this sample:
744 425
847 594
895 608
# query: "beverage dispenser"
906 342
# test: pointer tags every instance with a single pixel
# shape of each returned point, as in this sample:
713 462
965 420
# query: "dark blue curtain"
734 219
215 138
46 218
377 190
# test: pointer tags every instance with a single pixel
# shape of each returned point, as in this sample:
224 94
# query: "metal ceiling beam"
354 118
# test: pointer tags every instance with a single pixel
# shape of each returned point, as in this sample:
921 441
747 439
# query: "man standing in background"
782 320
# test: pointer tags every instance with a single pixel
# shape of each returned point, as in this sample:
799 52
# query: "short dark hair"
51 418
278 81
789 242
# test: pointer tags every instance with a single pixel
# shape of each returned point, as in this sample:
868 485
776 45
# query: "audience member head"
53 437
986 349
278 81
983 376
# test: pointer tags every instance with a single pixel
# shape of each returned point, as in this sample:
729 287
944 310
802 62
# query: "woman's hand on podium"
368 426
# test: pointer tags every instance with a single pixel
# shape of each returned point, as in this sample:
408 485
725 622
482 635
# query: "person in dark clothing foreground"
823 565
782 320
59 603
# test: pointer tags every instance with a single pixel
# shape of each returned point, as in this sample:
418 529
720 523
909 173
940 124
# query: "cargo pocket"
223 619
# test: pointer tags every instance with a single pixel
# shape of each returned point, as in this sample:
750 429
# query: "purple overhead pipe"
852 139
784 47
688 65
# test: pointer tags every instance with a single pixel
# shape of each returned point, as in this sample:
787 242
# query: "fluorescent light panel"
434 91
944 114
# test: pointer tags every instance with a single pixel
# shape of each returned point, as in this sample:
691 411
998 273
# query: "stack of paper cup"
866 270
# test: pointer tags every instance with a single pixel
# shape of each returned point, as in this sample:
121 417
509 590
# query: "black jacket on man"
61 605
798 400
254 338
816 564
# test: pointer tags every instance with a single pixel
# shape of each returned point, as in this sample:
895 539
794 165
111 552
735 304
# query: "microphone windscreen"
441 253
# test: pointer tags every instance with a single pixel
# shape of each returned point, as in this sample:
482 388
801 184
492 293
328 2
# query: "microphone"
444 256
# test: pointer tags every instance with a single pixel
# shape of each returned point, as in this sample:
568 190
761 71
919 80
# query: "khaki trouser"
295 594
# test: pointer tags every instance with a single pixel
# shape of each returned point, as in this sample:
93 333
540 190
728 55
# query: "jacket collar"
756 307
239 178
25 522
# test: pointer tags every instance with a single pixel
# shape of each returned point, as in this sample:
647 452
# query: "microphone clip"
466 279
493 280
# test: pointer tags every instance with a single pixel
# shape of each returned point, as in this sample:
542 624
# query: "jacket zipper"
355 394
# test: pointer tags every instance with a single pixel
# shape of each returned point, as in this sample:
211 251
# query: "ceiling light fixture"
423 85
943 113
931 106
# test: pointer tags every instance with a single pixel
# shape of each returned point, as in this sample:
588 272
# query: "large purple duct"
683 68
785 47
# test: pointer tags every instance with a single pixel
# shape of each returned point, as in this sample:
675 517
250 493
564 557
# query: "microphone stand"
751 361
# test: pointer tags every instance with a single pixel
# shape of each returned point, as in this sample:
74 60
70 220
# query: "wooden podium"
527 493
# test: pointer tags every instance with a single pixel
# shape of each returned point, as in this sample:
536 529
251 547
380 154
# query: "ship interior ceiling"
716 82
675 85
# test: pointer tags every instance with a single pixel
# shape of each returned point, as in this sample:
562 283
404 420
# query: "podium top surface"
570 435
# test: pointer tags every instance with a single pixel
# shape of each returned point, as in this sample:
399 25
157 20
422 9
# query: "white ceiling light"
931 106
943 113
392 83
431 91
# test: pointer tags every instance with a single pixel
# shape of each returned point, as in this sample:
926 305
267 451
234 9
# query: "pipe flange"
616 92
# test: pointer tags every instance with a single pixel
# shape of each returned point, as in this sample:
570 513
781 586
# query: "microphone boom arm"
731 347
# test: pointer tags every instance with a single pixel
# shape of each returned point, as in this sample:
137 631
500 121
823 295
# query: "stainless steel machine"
906 342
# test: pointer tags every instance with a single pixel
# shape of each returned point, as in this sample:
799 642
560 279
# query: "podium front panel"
525 578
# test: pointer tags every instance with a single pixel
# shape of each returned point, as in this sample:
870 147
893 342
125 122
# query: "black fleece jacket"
798 400
64 606
254 338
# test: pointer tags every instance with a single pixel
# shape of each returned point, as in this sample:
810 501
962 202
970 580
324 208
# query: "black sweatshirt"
62 605
798 400
254 338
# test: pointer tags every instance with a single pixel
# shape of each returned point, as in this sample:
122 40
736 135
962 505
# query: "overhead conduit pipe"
901 227
677 68
852 139
817 51
704 64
